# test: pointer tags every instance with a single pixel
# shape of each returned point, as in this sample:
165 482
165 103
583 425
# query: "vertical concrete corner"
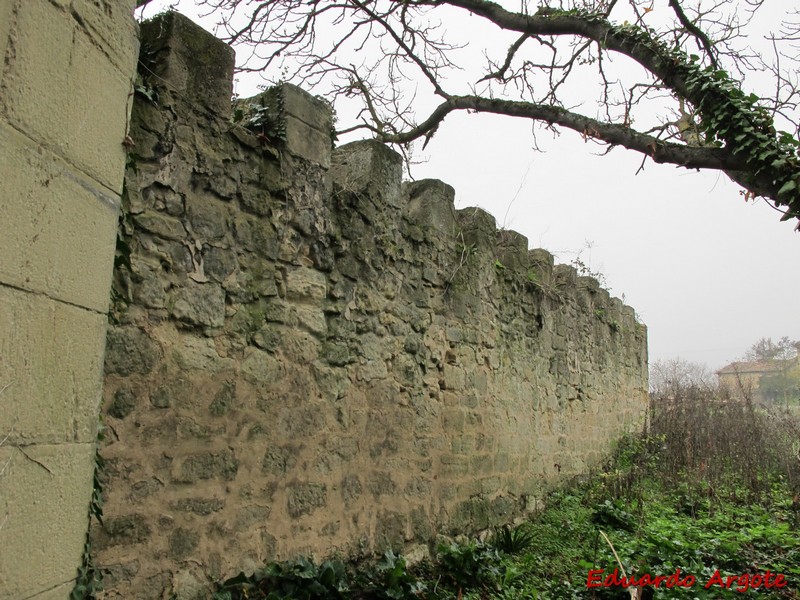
64 99
189 60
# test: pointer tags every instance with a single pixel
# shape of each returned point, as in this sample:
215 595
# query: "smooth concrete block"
59 234
6 12
51 358
60 592
72 99
44 503
112 26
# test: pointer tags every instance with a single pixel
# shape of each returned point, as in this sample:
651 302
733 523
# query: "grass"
710 491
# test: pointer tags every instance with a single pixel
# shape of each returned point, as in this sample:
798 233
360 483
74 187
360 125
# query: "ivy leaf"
787 187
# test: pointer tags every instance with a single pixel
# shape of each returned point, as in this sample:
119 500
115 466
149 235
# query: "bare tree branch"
650 93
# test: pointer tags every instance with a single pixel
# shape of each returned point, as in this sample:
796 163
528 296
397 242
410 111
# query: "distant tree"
675 376
671 80
765 349
781 387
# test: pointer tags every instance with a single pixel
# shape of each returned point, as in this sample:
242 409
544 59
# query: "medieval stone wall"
309 356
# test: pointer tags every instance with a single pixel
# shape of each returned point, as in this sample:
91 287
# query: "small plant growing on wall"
264 115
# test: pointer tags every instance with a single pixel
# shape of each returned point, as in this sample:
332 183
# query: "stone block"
312 111
182 542
304 122
45 496
52 364
200 354
453 420
200 304
260 367
431 204
453 466
129 350
305 498
478 228
191 61
279 460
222 465
454 378
60 231
390 531
305 283
481 464
74 100
566 276
311 318
306 142
161 225
512 249
590 284
123 530
371 172
351 489
380 484
199 506
541 259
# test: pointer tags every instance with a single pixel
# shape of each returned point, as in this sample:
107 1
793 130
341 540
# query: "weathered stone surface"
125 530
182 542
199 354
223 399
306 284
260 367
130 350
192 61
199 506
279 460
200 304
341 361
208 465
124 403
161 225
431 206
368 170
46 515
305 498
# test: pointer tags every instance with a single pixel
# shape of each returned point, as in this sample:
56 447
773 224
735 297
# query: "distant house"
764 380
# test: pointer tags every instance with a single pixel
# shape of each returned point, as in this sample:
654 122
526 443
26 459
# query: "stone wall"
65 82
309 356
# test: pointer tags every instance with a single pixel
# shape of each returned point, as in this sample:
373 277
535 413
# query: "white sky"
708 273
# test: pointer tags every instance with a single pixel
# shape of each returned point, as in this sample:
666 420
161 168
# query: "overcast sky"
708 273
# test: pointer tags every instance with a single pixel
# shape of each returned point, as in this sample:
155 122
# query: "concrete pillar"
65 88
